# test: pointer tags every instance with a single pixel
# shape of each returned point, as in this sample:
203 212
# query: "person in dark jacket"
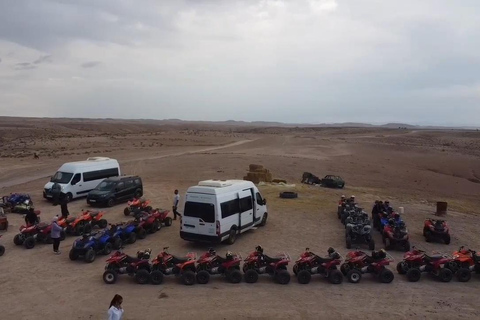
31 217
56 193
55 234
64 207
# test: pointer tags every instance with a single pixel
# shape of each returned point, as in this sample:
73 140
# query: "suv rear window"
128 183
138 182
204 211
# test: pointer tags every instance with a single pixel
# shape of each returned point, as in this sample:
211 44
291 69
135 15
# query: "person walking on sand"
64 207
55 234
176 200
115 312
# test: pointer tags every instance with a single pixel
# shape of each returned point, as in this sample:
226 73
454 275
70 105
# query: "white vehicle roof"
217 187
95 162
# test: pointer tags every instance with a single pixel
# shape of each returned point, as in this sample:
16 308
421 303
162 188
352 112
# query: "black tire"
445 275
79 229
110 277
335 277
107 249
428 235
406 246
348 242
304 277
203 277
413 275
142 276
111 202
288 195
453 266
132 237
234 276
188 278
29 243
90 256
386 276
371 244
116 243
18 239
2 250
446 239
342 186
102 223
232 236
168 222
282 277
264 220
126 211
344 268
402 267
251 276
87 228
295 269
141 233
156 277
68 197
354 276
463 275
155 227
73 255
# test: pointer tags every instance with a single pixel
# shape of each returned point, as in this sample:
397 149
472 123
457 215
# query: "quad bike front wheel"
102 223
464 274
117 243
142 276
234 276
335 276
141 233
445 275
156 277
344 268
29 243
18 239
90 256
282 277
203 277
107 249
354 276
73 255
446 239
348 242
168 221
110 277
371 244
251 276
2 250
188 278
304 277
155 227
414 274
386 276
132 237
402 267
126 211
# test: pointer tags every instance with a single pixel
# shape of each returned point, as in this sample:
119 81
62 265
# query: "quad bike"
417 261
309 263
29 235
120 263
2 248
258 263
17 202
127 231
84 222
434 229
167 264
348 210
465 261
88 246
137 204
210 263
358 263
359 231
154 220
395 235
341 207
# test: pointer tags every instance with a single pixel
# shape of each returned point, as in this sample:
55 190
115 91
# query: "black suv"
116 189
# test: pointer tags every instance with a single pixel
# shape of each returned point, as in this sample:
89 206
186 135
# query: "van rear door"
246 209
199 215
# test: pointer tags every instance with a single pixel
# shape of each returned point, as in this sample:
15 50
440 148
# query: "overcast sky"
305 61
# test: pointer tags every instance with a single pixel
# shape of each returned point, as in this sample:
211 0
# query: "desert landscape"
412 167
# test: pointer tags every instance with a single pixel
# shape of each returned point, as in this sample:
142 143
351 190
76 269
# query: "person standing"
56 191
55 234
176 200
64 207
31 217
115 312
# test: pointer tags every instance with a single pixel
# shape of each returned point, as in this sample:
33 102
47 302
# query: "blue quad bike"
127 232
89 245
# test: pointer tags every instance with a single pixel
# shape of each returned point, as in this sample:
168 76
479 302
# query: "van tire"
232 236
68 197
110 202
264 219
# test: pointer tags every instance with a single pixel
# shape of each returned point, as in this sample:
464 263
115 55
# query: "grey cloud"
43 59
24 66
90 64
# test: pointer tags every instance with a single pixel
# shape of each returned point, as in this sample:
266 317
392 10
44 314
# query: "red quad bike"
95 218
258 263
434 229
210 263
309 263
38 232
358 263
153 221
417 261
2 248
120 263
395 235
465 261
167 264
137 204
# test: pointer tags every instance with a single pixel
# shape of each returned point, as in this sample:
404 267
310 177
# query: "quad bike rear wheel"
348 242
116 243
406 246
446 239
188 278
142 276
18 239
282 276
354 276
445 275
251 276
234 276
463 274
155 227
73 255
304 277
107 249
386 276
79 229
414 274
156 277
102 223
295 269
402 267
90 256
132 237
29 243
203 277
335 276
110 277
371 244
126 211
141 233
344 268
168 221
428 235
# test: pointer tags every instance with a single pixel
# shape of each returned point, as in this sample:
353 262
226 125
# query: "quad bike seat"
434 257
176 259
70 220
270 259
130 259
42 226
93 214
325 259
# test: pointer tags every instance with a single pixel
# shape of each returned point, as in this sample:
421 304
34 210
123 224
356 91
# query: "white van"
218 210
78 178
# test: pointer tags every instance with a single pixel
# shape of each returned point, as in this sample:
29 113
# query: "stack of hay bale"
257 173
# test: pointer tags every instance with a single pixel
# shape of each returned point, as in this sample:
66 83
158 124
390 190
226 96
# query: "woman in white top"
115 312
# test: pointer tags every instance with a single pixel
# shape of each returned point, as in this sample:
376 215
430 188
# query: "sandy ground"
413 169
